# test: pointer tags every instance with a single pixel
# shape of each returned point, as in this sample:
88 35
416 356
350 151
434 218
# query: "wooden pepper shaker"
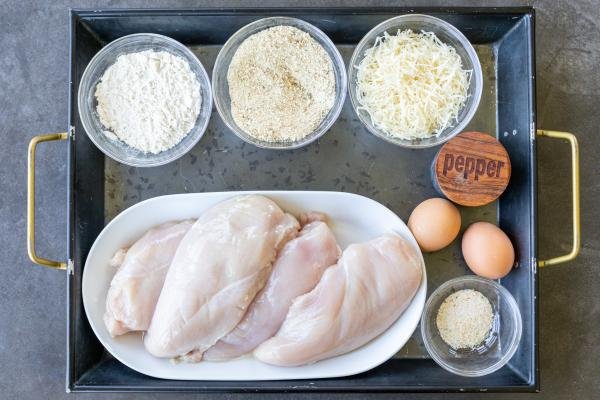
471 169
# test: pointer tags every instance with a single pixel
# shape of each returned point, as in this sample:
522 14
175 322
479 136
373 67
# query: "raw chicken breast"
135 288
220 265
297 270
355 301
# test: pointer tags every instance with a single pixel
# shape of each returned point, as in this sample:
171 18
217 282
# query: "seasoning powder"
281 84
464 319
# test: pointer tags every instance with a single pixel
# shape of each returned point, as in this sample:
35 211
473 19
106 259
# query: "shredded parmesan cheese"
281 84
464 319
412 85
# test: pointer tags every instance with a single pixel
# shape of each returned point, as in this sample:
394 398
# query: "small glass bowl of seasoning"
471 326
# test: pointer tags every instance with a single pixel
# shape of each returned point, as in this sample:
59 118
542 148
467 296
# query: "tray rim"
112 12
76 14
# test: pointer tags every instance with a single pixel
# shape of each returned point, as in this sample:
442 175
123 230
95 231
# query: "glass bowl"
499 346
117 149
447 34
221 87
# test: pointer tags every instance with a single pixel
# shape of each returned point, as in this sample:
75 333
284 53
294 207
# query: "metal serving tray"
347 158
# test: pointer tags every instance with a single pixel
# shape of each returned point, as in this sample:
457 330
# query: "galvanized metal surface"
348 158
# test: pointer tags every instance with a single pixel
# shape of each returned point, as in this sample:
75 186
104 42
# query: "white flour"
149 100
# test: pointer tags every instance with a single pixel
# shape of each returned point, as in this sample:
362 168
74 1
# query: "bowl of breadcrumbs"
279 83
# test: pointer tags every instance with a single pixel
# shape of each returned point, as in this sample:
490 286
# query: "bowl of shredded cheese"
471 326
279 83
145 100
415 81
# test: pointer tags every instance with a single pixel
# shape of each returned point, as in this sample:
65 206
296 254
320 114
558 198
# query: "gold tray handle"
575 193
31 200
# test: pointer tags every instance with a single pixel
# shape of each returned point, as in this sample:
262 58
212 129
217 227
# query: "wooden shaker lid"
472 169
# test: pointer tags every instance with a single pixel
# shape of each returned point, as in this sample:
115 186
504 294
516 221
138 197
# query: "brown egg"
435 223
487 250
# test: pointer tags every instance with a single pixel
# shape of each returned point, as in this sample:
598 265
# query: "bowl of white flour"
145 100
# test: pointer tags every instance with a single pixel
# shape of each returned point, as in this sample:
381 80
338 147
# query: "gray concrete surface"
33 100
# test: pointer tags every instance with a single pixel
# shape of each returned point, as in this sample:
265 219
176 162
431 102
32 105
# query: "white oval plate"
354 218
